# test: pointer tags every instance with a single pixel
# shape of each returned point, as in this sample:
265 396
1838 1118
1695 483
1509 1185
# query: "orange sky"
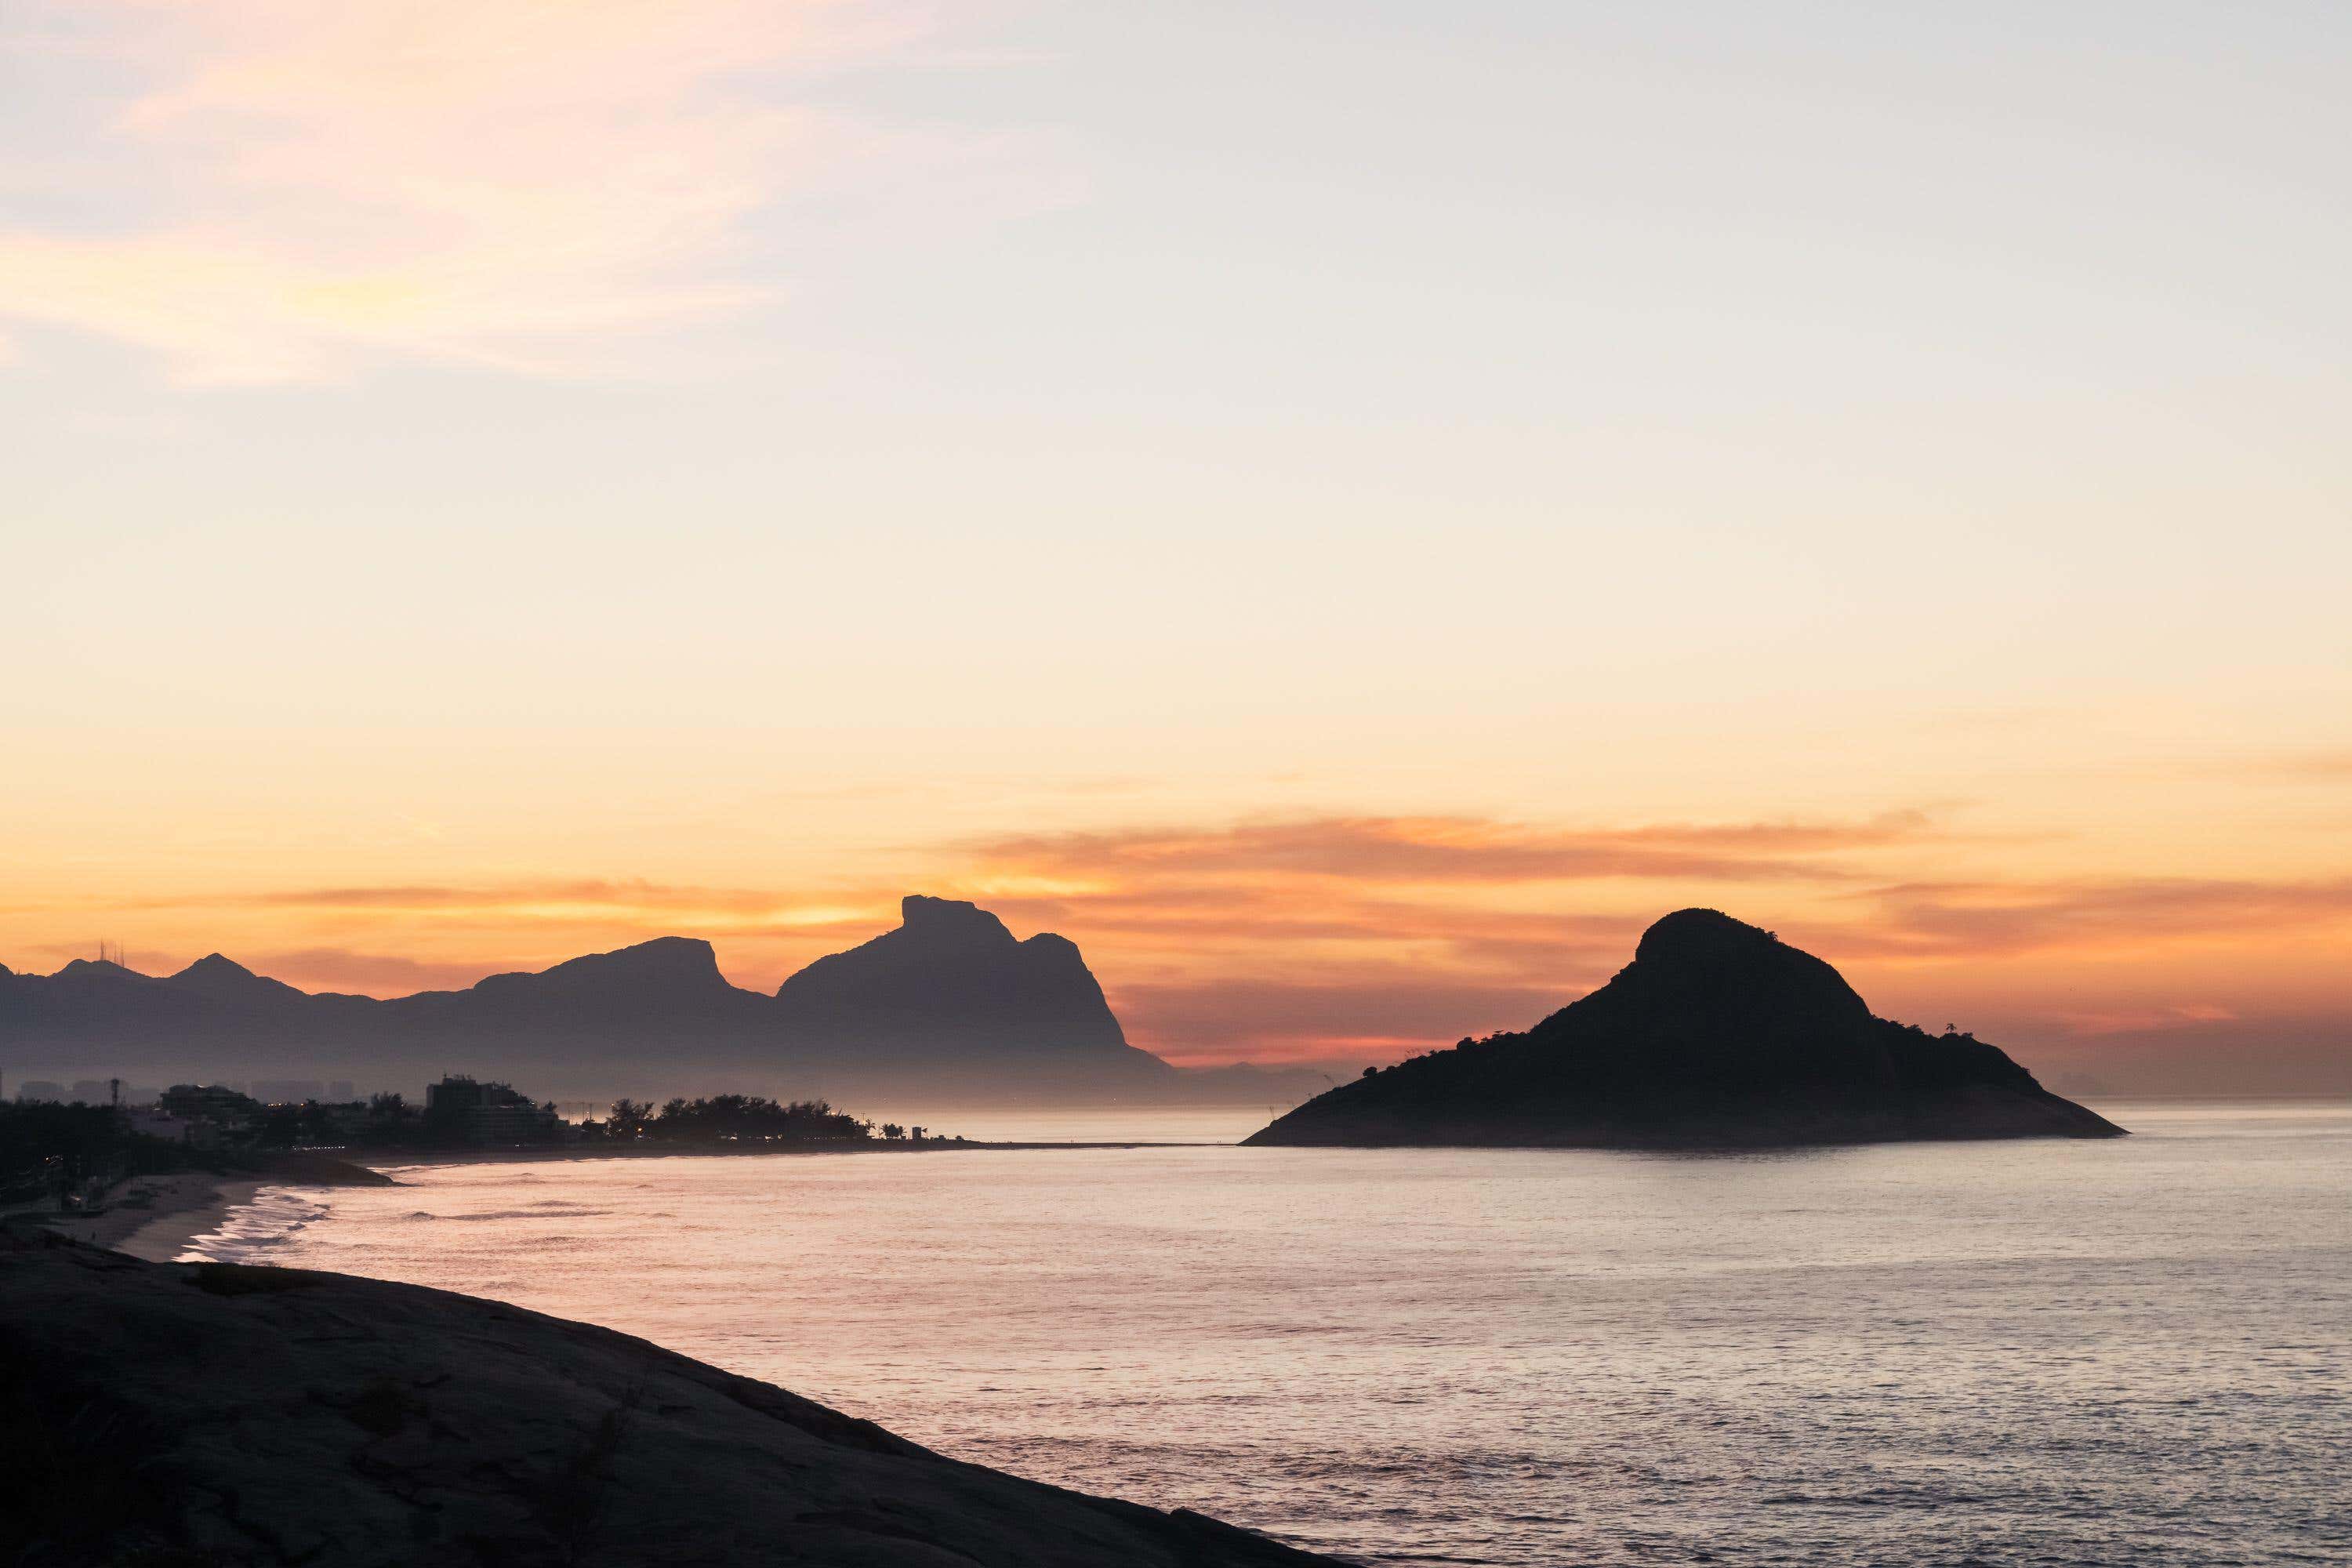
2118 943
491 482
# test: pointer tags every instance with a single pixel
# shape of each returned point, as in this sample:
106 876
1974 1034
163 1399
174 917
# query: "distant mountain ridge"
225 980
949 1003
1717 1035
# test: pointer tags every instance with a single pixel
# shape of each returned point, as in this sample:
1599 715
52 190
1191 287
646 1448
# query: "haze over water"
2048 1351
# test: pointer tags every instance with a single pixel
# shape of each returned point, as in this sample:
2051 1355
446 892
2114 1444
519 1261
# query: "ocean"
2132 1351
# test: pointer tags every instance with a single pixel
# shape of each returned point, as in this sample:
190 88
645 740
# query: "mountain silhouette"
671 981
951 968
1718 1033
949 1003
225 980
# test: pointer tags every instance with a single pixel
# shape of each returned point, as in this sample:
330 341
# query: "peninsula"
1716 1035
229 1415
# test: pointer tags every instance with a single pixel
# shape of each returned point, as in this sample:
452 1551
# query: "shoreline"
381 1160
166 1236
187 1203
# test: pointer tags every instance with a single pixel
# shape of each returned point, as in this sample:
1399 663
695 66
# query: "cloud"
589 901
620 894
298 189
2144 1020
2319 767
1987 919
1429 849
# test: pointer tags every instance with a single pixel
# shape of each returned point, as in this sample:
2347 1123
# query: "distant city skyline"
1346 515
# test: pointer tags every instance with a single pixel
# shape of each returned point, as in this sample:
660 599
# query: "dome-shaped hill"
1717 1035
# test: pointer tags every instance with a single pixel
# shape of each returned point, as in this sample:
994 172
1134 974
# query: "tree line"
740 1118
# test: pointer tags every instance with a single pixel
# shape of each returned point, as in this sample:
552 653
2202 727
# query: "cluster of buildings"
490 1113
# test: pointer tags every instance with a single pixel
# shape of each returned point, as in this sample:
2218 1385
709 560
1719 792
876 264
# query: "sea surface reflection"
2105 1353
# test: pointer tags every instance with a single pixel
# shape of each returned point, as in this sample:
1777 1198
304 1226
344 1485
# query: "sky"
1347 512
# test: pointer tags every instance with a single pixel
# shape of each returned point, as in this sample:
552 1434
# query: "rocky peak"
931 919
98 969
1698 936
225 979
949 973
667 963
213 966
1703 962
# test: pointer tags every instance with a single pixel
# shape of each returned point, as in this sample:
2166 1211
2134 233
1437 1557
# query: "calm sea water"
2136 1351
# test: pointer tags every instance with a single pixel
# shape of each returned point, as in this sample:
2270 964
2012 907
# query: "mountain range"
949 1003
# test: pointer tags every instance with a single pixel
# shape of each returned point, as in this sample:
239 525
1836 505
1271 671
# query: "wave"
251 1230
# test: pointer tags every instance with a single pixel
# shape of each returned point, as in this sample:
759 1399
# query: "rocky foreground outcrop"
214 1414
1716 1035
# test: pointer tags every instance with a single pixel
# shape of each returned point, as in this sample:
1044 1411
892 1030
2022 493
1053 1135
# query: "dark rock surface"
215 1414
1717 1035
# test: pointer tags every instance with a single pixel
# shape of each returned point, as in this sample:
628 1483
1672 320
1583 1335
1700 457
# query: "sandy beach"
185 1206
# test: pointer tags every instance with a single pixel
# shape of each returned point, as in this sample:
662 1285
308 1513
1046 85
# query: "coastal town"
99 1147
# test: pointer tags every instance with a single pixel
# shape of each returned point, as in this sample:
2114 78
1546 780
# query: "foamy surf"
253 1231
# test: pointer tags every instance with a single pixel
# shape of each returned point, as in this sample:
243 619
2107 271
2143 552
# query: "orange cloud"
2315 766
2142 1020
1460 849
1986 919
606 897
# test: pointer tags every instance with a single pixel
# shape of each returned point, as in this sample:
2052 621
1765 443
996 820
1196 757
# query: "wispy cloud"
1461 850
596 903
1986 919
2117 1021
296 189
2318 766
606 897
